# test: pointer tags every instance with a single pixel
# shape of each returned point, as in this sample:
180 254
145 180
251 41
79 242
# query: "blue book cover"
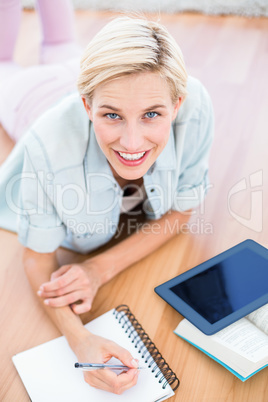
221 362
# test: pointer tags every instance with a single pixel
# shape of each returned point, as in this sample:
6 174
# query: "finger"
132 379
121 382
59 272
101 379
60 282
96 381
65 300
73 286
123 355
83 307
108 380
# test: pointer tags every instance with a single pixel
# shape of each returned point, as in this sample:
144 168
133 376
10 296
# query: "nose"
132 138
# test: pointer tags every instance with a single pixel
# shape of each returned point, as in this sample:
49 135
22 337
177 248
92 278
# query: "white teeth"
132 157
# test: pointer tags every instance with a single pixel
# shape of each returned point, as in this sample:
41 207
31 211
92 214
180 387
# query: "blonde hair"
129 45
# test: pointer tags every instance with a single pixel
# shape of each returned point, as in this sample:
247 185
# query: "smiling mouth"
132 157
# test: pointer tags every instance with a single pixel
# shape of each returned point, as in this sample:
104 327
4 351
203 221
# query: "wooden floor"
230 56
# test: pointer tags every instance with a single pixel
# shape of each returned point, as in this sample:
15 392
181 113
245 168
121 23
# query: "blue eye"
112 116
151 115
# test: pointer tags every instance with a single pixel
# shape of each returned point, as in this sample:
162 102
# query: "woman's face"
132 116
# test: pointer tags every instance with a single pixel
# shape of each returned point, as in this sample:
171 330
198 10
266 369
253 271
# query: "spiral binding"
147 348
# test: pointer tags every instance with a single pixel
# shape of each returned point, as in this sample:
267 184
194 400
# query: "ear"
176 107
87 107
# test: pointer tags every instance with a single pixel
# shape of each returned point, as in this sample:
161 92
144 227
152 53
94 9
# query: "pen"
99 366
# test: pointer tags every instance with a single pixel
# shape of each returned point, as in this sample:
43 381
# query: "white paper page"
245 339
259 318
48 372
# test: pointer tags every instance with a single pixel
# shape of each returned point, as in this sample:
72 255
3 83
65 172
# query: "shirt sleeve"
39 226
193 181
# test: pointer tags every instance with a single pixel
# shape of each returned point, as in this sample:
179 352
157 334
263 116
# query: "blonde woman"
136 139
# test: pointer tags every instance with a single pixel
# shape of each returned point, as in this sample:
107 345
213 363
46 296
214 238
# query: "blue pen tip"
76 365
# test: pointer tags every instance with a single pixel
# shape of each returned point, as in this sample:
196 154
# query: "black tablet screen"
227 286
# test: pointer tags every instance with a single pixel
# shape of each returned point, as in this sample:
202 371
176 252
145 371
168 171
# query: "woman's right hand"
95 349
70 284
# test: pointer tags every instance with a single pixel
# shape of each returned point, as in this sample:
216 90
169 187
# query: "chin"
131 175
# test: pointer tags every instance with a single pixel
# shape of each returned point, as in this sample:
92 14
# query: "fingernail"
135 363
46 302
39 292
41 288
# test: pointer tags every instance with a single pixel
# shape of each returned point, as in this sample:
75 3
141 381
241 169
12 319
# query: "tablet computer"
221 290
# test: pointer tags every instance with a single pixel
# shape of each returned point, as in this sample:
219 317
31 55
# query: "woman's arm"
86 346
147 239
81 281
38 268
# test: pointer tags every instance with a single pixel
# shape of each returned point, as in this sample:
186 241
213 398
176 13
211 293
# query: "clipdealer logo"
255 186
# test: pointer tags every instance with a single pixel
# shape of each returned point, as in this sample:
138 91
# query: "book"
242 347
48 373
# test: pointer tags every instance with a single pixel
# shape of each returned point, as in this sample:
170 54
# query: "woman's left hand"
70 284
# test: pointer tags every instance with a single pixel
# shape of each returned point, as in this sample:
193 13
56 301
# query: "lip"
132 163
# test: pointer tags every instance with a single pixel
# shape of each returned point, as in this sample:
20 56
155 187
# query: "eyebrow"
153 107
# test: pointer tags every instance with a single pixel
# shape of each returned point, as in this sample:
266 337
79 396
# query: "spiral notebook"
48 374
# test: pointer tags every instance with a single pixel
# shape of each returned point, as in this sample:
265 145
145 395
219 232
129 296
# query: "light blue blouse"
57 187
